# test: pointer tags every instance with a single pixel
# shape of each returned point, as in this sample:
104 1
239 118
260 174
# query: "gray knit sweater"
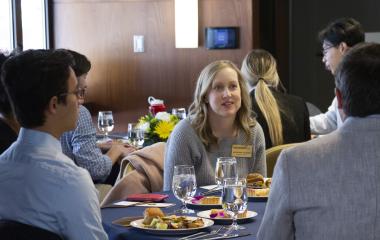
185 148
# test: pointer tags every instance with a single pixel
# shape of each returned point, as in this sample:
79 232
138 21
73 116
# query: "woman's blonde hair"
198 110
259 68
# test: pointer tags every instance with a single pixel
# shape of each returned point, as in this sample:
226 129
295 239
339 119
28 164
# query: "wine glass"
225 168
184 185
135 135
105 123
179 112
234 199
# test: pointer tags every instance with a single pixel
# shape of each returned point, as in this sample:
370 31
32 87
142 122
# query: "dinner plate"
138 224
206 214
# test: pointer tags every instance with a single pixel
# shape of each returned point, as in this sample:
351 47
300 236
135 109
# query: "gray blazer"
328 188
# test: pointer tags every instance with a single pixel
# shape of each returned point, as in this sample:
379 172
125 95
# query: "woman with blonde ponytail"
283 117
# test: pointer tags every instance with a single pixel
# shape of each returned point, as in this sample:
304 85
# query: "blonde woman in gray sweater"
218 124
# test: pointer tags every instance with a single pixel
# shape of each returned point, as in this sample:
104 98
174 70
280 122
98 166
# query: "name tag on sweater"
241 150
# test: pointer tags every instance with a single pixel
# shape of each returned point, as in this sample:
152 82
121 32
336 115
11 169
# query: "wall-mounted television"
221 37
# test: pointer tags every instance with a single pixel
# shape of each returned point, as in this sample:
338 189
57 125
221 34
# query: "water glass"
225 168
234 199
135 135
179 112
184 185
105 123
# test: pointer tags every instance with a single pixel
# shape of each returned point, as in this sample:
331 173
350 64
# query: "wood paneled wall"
121 80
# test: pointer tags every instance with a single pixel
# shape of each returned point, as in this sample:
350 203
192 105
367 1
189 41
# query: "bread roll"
151 213
255 180
268 182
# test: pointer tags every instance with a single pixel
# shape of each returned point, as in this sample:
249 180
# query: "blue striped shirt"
80 145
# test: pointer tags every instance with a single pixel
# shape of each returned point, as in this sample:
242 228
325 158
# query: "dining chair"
13 230
103 190
272 155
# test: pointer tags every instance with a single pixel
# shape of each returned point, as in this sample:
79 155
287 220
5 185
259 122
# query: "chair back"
12 230
272 155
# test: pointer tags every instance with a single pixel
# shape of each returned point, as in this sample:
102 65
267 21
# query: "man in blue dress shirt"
39 185
80 143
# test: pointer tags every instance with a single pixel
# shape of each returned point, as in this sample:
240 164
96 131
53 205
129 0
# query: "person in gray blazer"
329 188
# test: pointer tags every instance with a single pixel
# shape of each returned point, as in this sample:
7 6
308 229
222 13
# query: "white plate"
206 214
209 187
139 225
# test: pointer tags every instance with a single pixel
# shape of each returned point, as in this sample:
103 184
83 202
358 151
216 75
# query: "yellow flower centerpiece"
157 128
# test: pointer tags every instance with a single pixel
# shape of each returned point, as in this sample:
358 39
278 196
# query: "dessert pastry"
255 180
210 200
258 192
151 213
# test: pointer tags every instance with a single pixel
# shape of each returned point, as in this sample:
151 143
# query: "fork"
210 191
201 234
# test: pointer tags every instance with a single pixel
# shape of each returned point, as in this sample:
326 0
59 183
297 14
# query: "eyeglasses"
79 93
326 49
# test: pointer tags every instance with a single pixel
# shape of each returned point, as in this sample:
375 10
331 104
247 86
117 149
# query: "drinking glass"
184 185
135 135
234 199
105 123
179 112
225 168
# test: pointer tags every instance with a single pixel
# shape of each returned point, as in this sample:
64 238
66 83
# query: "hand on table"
118 151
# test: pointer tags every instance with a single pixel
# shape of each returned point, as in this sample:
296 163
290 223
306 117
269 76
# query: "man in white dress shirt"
337 38
328 188
39 185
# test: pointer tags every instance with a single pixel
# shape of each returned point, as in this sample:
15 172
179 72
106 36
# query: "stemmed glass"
184 185
234 199
179 112
135 135
105 123
225 168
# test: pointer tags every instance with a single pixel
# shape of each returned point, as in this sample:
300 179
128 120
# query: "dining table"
117 232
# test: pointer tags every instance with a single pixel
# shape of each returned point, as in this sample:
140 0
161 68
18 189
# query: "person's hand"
118 151
127 149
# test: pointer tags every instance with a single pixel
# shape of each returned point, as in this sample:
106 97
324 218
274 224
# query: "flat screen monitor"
221 37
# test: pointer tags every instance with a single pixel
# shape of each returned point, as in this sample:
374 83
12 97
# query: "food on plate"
220 213
255 180
210 200
206 200
150 214
268 182
258 192
154 218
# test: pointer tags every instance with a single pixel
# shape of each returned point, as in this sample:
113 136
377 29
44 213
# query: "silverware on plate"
201 234
211 191
227 236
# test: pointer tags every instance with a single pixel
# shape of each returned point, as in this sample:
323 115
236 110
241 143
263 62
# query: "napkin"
147 197
122 204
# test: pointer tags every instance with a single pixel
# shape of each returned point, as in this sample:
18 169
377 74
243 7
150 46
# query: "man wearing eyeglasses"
328 188
39 185
80 144
337 38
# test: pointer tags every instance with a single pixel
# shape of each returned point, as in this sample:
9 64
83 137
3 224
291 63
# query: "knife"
228 236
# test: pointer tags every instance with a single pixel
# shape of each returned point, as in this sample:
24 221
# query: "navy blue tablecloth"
116 232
